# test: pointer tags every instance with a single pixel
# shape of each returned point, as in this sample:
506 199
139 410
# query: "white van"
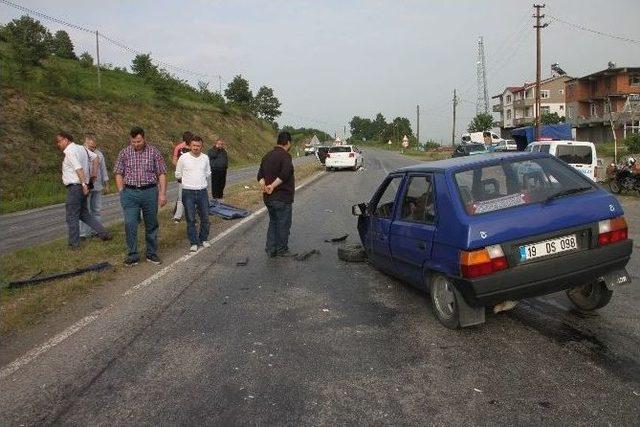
579 154
487 138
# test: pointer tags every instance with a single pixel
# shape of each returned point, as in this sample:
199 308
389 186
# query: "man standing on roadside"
194 170
141 178
277 181
181 148
100 179
75 176
219 163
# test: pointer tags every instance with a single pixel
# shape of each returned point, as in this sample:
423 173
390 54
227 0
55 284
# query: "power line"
42 15
590 30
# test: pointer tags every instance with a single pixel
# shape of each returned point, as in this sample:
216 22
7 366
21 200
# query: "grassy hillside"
62 94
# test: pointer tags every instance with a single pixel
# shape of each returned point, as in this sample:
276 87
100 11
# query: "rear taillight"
483 261
612 230
352 155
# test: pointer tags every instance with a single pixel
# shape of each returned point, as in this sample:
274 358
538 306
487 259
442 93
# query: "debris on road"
326 310
352 253
337 239
504 306
477 390
328 211
243 263
305 255
78 271
225 211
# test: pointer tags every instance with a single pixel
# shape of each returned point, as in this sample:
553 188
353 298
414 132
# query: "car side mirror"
359 210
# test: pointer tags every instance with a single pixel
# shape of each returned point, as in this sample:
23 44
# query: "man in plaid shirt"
141 178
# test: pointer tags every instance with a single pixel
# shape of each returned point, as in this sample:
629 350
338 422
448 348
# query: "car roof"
467 161
564 142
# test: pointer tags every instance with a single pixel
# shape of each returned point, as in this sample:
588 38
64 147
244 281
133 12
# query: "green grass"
23 307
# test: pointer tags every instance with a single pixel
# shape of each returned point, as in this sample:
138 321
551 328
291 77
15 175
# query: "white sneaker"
206 244
193 248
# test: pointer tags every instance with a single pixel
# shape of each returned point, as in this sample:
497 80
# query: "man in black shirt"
277 182
219 162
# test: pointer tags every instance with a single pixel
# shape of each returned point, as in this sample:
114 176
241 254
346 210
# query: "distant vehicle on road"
506 145
343 157
470 149
483 230
579 154
309 150
487 138
321 153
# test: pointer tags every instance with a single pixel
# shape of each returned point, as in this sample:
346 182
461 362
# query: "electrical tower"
482 103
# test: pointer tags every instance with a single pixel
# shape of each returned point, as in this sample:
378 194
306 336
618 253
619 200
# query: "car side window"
418 202
384 207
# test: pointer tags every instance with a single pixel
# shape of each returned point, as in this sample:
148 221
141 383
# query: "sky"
328 61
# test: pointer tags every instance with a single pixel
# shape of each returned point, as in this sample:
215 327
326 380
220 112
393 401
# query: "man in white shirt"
193 170
100 179
75 176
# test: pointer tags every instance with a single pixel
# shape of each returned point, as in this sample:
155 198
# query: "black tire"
615 187
352 253
444 300
591 296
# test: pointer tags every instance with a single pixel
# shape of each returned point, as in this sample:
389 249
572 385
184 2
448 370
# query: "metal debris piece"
337 239
78 271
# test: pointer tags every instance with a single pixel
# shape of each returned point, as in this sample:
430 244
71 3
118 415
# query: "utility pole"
613 130
453 131
418 123
538 60
220 84
98 56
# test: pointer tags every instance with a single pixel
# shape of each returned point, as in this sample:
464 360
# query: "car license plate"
548 247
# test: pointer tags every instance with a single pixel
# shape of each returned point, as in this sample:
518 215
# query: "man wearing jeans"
141 178
194 171
277 181
75 176
100 179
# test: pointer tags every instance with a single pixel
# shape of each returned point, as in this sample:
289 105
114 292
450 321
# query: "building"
597 100
517 104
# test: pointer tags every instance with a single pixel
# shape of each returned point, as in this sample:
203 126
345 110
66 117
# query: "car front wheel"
591 296
445 302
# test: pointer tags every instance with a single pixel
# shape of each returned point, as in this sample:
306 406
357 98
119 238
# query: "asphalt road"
325 342
28 228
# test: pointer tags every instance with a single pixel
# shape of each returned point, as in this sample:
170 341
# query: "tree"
207 95
632 142
551 119
378 126
62 46
266 104
481 122
29 39
238 92
143 67
86 60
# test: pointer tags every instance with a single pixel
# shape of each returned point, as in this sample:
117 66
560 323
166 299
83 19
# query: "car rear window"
517 183
575 154
340 149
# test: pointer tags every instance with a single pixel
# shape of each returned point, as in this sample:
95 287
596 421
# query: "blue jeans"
279 225
94 204
196 200
76 210
133 201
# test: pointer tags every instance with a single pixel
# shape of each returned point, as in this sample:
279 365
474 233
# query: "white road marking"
34 353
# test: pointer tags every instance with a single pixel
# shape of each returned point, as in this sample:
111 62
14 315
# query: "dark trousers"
196 201
279 225
218 182
77 210
134 201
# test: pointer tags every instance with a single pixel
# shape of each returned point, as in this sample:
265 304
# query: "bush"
632 142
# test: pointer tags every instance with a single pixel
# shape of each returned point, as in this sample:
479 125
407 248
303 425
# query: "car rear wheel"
615 186
445 302
591 296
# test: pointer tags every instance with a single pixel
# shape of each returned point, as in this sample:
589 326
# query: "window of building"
593 110
561 107
545 109
634 80
528 112
561 91
544 94
571 112
508 99
508 114
607 108
528 94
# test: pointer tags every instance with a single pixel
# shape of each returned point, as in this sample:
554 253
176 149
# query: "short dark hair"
90 136
135 131
196 138
65 135
187 137
284 138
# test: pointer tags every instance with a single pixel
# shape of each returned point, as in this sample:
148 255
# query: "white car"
579 154
344 156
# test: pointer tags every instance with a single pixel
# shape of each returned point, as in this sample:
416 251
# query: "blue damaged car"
481 230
